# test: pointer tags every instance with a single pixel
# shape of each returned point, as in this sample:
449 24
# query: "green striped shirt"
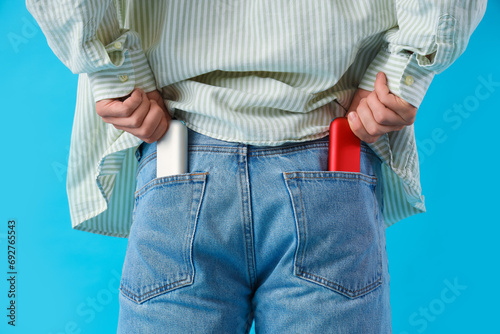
257 71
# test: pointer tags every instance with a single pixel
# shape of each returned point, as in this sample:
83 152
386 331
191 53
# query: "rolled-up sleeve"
429 36
87 37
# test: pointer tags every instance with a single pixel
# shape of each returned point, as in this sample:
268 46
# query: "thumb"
381 87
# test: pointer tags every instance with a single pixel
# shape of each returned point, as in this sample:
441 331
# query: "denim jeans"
256 233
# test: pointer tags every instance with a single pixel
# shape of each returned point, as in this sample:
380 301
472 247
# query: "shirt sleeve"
429 36
87 37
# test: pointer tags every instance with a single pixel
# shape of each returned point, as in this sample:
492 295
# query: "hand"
373 114
142 114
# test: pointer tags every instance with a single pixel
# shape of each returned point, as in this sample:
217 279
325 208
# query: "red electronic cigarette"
345 148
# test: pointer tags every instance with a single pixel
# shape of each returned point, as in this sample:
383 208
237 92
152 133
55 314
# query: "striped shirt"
257 71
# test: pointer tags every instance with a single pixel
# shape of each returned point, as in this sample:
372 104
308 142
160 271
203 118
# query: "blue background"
68 280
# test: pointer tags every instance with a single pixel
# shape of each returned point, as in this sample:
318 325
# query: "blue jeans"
256 233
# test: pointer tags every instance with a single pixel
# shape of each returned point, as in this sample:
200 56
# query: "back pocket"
338 227
159 251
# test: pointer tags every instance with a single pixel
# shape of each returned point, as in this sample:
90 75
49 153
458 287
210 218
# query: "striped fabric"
257 71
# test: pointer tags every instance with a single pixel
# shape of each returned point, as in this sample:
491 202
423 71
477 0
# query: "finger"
382 114
159 131
135 99
150 123
116 108
403 109
383 92
156 95
372 129
135 119
358 128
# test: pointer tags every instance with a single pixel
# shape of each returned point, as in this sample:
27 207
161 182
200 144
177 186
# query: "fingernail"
352 116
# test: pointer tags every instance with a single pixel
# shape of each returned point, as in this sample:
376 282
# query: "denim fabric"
256 233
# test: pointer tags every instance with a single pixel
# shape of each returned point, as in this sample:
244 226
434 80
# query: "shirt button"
117 45
123 77
409 80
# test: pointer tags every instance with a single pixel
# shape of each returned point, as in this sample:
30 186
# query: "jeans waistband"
198 139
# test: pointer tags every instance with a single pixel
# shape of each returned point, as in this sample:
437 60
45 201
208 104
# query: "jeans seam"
372 179
380 226
195 226
188 226
247 215
279 150
305 223
213 149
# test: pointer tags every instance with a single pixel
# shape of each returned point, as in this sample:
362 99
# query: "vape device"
172 150
344 147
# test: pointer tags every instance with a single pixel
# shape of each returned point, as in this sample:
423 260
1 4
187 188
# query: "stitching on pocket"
160 181
153 293
351 293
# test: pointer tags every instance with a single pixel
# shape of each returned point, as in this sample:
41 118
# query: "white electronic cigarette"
172 150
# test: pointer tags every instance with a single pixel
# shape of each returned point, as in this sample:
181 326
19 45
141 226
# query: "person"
258 229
